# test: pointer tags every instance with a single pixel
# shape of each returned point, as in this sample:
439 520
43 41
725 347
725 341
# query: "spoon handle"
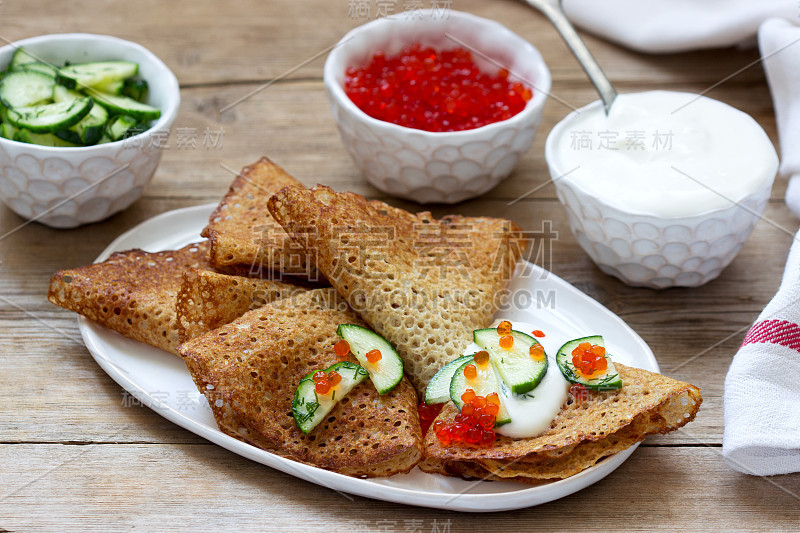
555 13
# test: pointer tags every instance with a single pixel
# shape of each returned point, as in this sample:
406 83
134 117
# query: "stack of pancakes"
255 308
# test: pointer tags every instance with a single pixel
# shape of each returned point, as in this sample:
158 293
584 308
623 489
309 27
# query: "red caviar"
342 348
486 421
478 402
373 356
537 351
487 438
589 359
474 425
465 419
473 435
470 372
322 386
323 382
427 414
431 90
538 333
468 395
504 328
482 359
506 342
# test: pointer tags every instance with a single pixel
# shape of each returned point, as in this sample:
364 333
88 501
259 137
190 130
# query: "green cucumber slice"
608 380
89 130
22 57
7 131
520 372
438 389
485 384
122 105
62 94
387 372
86 75
24 88
310 408
136 89
69 136
119 126
44 68
93 125
42 139
113 87
50 117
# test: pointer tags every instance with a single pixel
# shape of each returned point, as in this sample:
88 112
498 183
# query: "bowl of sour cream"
665 190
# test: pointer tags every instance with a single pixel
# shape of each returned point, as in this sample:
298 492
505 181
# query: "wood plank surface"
75 457
146 487
204 43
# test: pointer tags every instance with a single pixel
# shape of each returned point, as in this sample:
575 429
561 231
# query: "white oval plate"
161 381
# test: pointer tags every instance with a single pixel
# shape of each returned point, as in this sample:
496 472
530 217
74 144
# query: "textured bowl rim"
565 176
168 114
534 105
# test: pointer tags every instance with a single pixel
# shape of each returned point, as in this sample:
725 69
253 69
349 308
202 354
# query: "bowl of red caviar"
436 106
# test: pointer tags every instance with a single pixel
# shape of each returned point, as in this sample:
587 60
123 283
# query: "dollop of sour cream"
531 413
664 153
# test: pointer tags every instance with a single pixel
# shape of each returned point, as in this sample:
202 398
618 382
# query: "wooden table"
74 457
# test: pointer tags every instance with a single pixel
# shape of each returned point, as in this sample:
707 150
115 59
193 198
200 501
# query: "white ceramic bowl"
436 166
67 187
650 251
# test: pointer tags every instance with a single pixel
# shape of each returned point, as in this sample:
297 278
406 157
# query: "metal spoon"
555 13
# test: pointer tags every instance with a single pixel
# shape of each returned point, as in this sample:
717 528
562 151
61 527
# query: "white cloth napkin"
679 25
779 41
762 388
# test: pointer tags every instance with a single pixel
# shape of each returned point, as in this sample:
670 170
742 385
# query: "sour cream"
532 413
664 153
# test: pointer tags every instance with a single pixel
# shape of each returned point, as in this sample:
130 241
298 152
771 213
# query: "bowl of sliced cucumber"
83 122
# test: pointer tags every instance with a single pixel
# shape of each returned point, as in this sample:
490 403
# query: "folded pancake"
207 300
249 370
423 284
583 432
142 294
243 234
133 292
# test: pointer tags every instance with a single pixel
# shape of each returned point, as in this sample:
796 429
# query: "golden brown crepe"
583 432
423 284
243 234
207 300
133 292
249 370
142 295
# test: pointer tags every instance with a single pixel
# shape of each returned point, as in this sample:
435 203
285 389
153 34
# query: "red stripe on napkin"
775 332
